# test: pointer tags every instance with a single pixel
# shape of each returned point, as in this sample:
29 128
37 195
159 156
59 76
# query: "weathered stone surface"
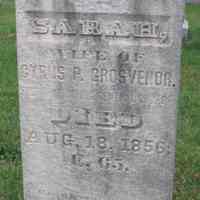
99 81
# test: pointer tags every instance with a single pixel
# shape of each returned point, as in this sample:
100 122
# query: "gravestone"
98 81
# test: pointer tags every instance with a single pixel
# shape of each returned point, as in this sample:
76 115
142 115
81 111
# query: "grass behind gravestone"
188 137
10 164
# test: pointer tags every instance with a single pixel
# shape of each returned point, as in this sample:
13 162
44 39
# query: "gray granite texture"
99 82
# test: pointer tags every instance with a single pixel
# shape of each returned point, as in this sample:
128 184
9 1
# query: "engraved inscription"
103 119
132 76
86 52
101 163
32 137
99 153
127 74
102 143
149 29
98 89
95 28
42 71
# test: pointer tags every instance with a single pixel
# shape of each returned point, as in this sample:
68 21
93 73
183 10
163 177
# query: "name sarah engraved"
98 87
131 27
